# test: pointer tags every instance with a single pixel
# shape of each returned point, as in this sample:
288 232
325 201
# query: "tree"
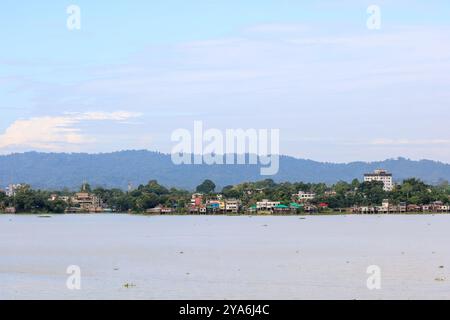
147 201
154 187
3 199
206 187
231 192
372 192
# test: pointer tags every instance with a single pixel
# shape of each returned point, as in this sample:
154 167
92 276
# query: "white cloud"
400 142
305 79
56 133
102 116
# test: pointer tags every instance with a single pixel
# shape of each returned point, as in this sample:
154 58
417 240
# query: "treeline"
339 195
342 194
32 201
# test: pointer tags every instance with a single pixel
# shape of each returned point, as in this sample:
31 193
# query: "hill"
117 169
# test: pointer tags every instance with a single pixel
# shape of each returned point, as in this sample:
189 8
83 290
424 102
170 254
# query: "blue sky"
138 70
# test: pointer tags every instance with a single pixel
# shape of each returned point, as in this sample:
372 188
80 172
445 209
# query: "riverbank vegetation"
340 196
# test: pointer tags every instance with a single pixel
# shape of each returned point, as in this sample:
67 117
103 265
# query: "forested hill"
60 170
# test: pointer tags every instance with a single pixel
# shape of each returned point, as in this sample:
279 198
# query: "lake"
220 257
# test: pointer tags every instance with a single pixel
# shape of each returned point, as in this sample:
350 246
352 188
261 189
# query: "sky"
136 71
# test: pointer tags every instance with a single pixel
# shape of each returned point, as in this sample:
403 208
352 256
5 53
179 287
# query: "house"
85 202
281 208
155 211
295 207
310 208
194 210
303 196
330 193
365 210
323 205
402 207
383 176
159 210
166 210
385 208
439 207
197 200
232 206
253 191
413 208
10 210
266 205
55 197
215 206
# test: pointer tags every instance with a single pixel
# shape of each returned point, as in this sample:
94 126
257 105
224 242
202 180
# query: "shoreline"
46 214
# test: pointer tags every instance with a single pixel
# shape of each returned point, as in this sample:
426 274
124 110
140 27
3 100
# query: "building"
232 206
281 209
55 197
10 210
382 176
160 210
310 209
365 210
156 210
85 202
413 208
197 200
215 206
330 193
266 205
12 189
303 196
386 207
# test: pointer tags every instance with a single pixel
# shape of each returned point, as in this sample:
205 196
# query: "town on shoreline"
376 194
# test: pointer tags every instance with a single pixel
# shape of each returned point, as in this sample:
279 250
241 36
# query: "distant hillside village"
376 194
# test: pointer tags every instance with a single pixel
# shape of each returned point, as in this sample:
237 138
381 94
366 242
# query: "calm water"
224 257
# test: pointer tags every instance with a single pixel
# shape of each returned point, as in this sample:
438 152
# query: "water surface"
204 257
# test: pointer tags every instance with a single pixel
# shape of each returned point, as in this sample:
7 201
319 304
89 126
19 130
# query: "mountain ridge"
116 169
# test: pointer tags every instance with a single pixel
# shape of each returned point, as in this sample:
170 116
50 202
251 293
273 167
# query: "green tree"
206 187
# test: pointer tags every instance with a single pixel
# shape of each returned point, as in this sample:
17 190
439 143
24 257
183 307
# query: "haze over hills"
117 169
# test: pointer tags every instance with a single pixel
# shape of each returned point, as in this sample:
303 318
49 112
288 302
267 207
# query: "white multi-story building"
232 205
305 196
383 176
266 204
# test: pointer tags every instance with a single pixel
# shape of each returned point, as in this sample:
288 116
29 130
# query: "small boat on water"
44 216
